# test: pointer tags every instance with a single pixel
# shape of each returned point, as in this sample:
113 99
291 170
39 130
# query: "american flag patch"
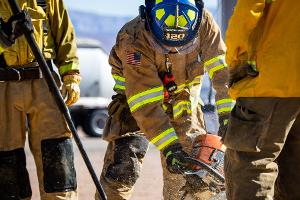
133 58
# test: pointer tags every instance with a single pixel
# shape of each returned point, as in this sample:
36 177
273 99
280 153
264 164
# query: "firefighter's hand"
70 88
176 159
223 122
15 27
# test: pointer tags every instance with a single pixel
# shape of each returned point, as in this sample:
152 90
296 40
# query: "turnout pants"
30 102
263 147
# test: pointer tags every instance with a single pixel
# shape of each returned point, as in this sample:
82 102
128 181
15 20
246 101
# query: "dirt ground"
148 187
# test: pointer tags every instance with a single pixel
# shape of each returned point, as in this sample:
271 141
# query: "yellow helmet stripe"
170 21
158 1
182 21
160 13
191 14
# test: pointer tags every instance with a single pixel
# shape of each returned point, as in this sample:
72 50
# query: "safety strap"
43 4
21 74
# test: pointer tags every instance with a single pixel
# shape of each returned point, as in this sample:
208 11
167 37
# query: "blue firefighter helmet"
174 22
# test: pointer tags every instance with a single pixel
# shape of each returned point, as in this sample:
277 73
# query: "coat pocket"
245 129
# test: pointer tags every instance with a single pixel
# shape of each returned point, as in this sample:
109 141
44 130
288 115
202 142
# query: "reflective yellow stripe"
1 49
140 104
180 107
164 138
221 101
157 89
225 105
68 67
166 143
222 110
161 135
119 87
146 97
119 78
215 64
164 107
120 82
213 70
181 87
196 80
253 64
213 60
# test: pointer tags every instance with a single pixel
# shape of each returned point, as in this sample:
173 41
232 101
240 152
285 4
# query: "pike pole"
58 98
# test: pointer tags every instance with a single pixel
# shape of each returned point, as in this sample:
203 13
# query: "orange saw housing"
209 149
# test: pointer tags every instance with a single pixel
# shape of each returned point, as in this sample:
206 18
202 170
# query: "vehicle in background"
90 112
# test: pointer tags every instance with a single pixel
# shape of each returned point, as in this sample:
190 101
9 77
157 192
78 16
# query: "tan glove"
70 88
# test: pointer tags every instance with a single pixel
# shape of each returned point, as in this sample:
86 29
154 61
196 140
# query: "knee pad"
58 165
14 179
128 154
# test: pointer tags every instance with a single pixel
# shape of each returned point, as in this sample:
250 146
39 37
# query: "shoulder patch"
133 58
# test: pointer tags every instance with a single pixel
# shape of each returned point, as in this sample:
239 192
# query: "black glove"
176 159
223 122
15 27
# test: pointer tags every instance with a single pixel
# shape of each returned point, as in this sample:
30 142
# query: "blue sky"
116 7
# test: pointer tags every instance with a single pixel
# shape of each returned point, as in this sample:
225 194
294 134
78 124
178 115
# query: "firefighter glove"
176 159
15 27
70 88
223 123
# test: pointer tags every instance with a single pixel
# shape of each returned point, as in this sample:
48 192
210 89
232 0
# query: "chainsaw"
206 179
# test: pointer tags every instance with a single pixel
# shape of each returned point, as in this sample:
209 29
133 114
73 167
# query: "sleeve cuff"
68 67
164 139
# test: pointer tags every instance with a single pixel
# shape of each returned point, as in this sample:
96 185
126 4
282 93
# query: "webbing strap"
43 4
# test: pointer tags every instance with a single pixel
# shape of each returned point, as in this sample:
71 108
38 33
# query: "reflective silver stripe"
148 96
164 138
120 83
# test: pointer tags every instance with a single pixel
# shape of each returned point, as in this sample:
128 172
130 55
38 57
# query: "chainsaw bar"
205 166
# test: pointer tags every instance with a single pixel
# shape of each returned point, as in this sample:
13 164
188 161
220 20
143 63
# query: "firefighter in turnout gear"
263 140
27 106
157 63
